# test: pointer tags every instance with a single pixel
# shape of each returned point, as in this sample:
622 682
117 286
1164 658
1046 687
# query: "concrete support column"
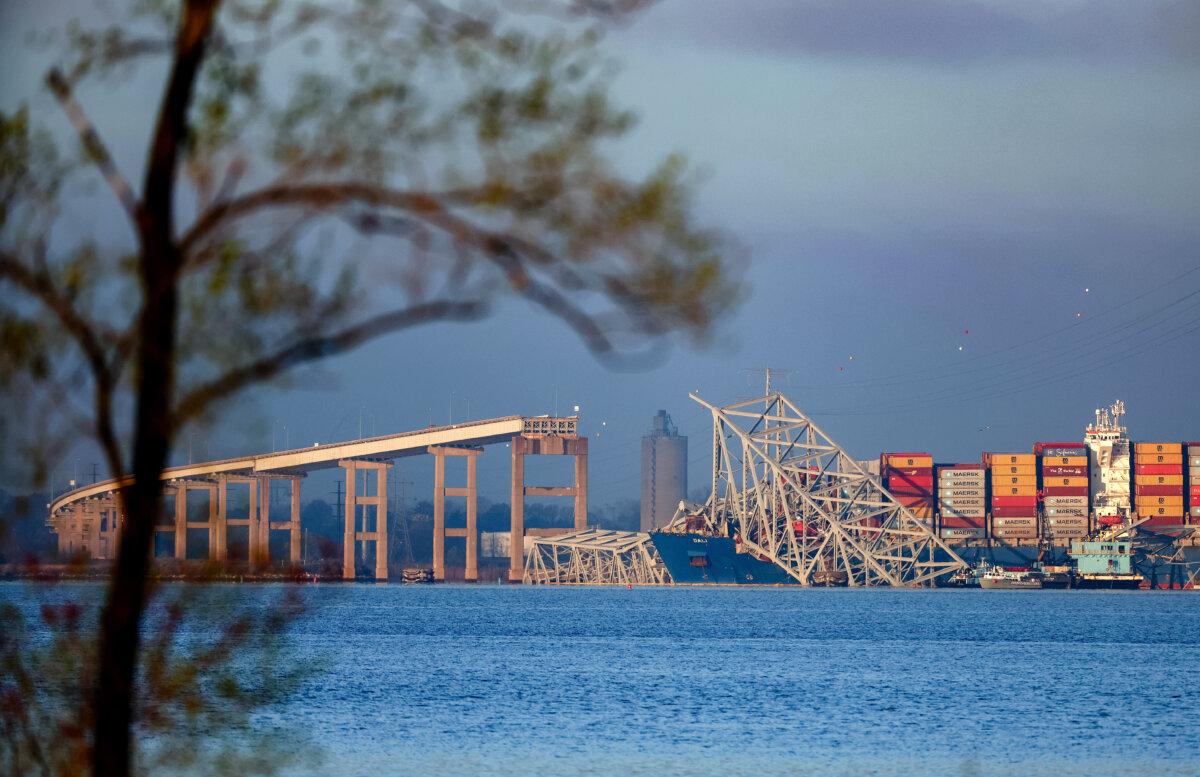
351 470
516 550
180 522
262 527
471 574
581 485
381 523
294 544
439 514
218 549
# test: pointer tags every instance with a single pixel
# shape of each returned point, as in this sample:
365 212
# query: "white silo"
664 472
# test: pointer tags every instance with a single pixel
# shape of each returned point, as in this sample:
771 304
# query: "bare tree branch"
87 335
317 347
92 143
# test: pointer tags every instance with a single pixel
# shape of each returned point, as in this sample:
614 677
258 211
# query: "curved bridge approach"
89 519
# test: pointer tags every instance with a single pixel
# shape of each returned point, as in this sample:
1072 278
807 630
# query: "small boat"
1010 578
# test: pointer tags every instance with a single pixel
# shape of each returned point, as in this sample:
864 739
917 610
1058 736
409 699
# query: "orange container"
1145 448
1158 480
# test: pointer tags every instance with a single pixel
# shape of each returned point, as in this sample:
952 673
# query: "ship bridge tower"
1108 443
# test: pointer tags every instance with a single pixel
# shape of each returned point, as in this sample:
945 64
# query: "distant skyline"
969 224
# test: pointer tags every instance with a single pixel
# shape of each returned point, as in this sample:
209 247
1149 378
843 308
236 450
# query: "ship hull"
697 559
1010 585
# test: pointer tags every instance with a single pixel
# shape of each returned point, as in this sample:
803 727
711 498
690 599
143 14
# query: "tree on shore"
314 176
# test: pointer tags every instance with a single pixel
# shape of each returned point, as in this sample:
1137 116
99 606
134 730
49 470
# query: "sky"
969 224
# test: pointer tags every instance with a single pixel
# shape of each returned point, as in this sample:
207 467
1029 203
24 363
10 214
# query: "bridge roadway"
89 518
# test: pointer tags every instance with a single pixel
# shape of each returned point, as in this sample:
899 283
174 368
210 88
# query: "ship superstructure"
1109 475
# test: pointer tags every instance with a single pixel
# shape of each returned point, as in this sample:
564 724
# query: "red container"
1015 501
1069 472
956 522
1065 491
1165 520
904 488
1159 469
1156 490
924 480
915 501
1014 512
1065 471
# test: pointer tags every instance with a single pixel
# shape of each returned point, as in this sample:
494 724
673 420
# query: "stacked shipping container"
1063 476
1193 464
1158 482
1193 460
909 478
1014 495
962 501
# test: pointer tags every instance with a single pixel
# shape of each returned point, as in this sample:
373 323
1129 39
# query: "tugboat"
1010 578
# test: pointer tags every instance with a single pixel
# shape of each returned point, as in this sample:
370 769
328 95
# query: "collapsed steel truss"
794 497
595 557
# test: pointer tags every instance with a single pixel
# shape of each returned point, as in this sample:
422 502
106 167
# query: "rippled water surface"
503 680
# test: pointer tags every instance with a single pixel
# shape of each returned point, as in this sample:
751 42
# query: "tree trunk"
120 622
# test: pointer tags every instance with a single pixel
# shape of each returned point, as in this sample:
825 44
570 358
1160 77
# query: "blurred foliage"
344 170
349 169
209 664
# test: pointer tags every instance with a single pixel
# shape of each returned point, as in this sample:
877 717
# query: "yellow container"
998 459
1064 461
1158 480
1141 448
1159 501
1014 469
1075 482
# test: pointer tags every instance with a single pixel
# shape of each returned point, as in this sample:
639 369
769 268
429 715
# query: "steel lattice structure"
595 557
794 497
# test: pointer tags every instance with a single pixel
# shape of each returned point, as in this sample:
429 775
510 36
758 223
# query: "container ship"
1062 505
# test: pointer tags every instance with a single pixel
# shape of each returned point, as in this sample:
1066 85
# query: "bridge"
89 518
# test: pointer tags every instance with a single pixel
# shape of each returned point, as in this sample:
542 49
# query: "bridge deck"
389 446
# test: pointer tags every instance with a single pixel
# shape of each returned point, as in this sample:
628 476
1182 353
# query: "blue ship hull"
698 559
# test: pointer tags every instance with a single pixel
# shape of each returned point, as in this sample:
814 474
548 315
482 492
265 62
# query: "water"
503 680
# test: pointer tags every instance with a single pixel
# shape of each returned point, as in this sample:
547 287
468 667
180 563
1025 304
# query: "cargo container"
1143 448
1064 471
908 459
1066 461
1157 469
1161 458
1159 500
1158 480
1007 459
1072 499
1139 491
1067 482
909 472
1059 449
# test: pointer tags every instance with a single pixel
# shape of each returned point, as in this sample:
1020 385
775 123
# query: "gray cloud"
948 32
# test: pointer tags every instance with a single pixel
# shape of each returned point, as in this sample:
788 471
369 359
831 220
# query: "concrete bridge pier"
440 492
356 530
550 445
